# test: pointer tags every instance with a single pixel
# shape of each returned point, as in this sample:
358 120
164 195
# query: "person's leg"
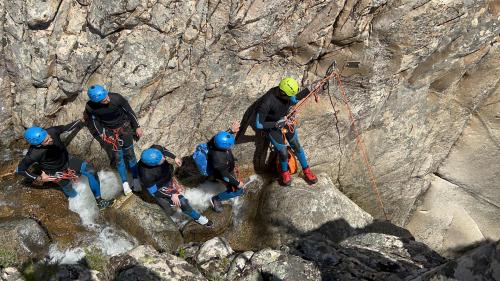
120 165
67 188
87 170
276 138
229 193
293 139
129 156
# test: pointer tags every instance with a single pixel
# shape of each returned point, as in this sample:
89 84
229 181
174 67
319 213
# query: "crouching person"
56 164
156 175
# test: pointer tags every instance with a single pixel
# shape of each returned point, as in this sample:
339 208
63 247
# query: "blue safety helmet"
224 140
151 157
97 93
35 135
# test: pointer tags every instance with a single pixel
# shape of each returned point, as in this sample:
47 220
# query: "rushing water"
109 240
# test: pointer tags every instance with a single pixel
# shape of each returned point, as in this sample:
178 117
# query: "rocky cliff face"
426 89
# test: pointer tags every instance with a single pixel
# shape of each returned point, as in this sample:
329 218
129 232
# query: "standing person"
56 164
156 175
223 164
116 124
271 117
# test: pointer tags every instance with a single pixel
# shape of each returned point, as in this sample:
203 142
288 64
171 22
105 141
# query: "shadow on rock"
378 251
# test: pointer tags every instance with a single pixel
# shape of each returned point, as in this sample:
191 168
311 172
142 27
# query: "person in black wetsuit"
156 175
47 149
115 125
222 162
271 117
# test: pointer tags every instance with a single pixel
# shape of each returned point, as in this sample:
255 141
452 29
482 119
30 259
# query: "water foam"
84 203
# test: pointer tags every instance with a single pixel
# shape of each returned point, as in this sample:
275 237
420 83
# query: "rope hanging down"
291 121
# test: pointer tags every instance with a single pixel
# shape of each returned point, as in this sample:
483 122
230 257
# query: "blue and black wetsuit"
53 159
159 182
115 116
223 164
274 106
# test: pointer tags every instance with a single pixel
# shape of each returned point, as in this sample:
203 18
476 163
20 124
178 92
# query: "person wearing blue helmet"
223 164
156 175
114 124
56 164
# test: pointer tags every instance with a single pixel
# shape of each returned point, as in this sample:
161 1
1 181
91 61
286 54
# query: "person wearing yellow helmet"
271 118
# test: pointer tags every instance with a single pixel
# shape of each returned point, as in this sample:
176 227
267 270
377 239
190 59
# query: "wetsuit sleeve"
262 111
128 110
165 151
65 128
302 94
22 168
94 121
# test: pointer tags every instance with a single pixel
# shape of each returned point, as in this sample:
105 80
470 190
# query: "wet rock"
194 232
24 238
49 207
147 222
144 263
482 263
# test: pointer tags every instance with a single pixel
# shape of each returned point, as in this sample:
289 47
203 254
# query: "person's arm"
152 189
168 154
262 111
69 127
226 176
24 165
123 103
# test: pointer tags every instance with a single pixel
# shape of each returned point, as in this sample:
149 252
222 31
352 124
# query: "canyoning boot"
309 176
126 189
205 222
216 204
103 204
286 178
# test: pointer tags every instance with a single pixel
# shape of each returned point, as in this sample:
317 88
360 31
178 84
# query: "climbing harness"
114 140
291 122
68 174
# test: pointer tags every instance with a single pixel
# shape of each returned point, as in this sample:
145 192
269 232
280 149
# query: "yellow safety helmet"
289 86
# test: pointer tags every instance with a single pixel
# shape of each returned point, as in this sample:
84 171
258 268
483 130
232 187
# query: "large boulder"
369 255
276 265
21 240
144 263
147 222
288 212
